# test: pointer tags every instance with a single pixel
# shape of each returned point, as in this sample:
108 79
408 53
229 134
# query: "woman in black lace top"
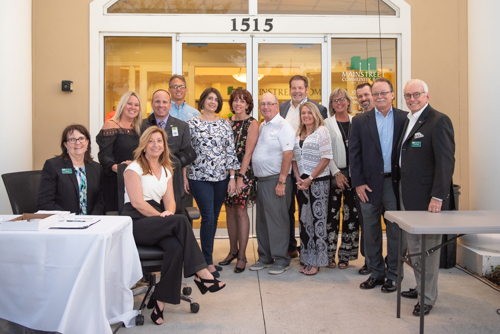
117 140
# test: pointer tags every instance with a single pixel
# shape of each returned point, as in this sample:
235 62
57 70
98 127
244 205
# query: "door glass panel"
359 60
139 64
279 62
180 7
325 7
214 65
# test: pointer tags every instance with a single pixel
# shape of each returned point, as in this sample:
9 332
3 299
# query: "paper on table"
75 222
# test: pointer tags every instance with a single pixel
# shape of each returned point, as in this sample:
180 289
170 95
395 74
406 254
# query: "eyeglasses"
415 95
340 99
177 87
74 140
383 94
267 104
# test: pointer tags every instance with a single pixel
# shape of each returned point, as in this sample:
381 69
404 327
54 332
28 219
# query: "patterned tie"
161 124
82 187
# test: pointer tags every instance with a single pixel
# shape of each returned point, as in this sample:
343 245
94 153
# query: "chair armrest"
192 213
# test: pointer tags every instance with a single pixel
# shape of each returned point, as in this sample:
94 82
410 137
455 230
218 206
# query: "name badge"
67 171
416 144
175 132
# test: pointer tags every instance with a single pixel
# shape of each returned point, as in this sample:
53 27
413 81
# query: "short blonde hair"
337 92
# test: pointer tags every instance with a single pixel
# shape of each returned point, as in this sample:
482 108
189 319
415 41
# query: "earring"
144 151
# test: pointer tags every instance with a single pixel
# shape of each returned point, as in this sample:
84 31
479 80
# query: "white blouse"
152 188
316 146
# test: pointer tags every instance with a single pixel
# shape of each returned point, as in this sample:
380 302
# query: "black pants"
174 235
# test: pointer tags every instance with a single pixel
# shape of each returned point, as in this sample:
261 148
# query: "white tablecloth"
70 281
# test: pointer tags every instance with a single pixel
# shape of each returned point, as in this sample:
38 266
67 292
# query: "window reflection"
355 61
140 64
325 7
180 7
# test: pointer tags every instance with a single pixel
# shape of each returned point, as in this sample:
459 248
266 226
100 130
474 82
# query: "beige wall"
439 57
61 52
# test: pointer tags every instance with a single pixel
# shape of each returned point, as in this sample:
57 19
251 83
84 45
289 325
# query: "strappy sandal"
157 313
309 269
212 288
239 270
343 264
230 258
332 264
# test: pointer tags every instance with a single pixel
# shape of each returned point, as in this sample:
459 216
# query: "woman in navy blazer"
61 188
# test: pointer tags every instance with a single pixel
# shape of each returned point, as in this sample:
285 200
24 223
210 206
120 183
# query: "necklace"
346 138
307 134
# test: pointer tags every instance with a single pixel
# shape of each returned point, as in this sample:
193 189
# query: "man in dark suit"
427 161
372 155
178 136
289 110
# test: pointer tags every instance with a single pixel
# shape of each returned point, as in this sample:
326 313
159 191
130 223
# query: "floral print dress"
248 195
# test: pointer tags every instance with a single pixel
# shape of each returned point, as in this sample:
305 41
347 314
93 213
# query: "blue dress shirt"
385 127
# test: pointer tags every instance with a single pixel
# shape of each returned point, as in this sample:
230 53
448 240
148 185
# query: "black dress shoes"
371 283
364 270
412 294
416 310
389 286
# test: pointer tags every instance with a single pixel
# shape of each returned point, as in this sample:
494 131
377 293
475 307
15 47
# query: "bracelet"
281 182
311 178
231 177
241 175
295 170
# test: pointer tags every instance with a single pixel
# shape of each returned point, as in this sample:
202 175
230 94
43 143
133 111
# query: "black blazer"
365 153
286 105
428 161
180 145
58 191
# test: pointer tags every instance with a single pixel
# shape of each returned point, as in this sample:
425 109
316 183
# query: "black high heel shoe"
228 261
212 288
240 270
158 314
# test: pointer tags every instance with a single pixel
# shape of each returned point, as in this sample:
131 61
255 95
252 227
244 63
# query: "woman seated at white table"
72 180
148 180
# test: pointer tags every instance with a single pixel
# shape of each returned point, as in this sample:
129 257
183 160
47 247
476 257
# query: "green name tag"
416 144
67 171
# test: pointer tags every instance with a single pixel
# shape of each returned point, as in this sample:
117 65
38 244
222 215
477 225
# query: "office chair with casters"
151 257
22 189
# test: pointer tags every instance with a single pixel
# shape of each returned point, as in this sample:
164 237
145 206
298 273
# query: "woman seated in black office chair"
148 181
72 180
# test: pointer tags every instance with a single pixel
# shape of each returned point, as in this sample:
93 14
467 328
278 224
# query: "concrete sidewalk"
330 302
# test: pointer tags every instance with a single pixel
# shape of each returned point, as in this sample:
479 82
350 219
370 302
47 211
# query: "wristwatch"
311 178
281 182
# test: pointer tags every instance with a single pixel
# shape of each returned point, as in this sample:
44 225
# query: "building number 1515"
246 25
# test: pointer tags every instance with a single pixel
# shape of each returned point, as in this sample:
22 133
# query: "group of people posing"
338 167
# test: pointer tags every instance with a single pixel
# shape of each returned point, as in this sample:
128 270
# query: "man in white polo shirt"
271 162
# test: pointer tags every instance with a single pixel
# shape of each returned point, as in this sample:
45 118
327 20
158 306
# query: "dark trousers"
175 236
373 234
292 244
209 196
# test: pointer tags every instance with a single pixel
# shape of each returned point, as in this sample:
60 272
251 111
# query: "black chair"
152 256
22 189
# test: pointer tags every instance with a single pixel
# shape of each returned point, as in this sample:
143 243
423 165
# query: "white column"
16 145
484 111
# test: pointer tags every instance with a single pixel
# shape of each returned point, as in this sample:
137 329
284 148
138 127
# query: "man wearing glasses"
271 161
427 162
289 110
373 162
177 89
